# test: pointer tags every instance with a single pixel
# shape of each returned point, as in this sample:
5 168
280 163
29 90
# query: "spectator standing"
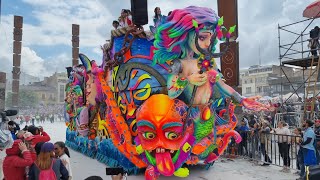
308 145
62 152
243 131
308 148
254 140
300 162
283 144
46 165
52 118
252 121
13 128
245 119
314 41
157 19
264 138
38 118
317 133
36 135
18 158
32 120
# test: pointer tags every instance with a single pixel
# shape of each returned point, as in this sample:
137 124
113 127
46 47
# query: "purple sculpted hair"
171 38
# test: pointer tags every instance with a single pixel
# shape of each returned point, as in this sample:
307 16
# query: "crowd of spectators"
301 144
32 156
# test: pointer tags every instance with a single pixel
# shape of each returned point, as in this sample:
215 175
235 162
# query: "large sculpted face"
204 40
160 122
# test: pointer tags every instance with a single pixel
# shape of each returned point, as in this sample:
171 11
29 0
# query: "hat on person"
317 121
28 136
47 147
38 147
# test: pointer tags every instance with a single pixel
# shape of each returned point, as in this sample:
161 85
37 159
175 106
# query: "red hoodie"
14 165
40 138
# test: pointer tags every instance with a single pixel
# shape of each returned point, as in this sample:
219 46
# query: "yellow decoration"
186 147
182 172
102 126
139 149
144 97
114 74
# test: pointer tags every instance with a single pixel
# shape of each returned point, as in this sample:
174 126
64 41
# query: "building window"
286 87
61 93
266 89
248 90
278 87
43 96
259 89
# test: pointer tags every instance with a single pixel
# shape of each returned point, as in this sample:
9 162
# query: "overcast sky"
47 29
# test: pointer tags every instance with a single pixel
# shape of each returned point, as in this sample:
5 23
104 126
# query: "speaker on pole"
139 10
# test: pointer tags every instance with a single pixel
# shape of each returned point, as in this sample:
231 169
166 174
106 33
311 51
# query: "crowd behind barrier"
267 148
295 149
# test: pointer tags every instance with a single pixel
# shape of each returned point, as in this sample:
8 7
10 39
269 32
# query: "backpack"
48 174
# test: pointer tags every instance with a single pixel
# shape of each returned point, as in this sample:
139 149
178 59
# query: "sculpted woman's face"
204 39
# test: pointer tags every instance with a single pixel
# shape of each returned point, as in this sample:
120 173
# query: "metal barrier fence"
269 148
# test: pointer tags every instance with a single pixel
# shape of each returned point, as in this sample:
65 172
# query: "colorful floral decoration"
159 103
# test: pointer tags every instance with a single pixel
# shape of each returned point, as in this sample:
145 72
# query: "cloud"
52 19
31 62
258 26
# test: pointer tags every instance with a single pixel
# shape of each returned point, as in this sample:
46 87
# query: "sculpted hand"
252 104
198 79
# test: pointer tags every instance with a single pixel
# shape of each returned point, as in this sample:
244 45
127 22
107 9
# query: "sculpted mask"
160 122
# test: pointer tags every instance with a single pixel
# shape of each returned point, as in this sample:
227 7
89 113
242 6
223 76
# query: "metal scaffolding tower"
296 54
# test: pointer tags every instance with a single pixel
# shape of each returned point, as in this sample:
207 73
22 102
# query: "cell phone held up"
115 171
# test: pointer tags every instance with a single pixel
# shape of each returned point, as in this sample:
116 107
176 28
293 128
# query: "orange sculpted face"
160 123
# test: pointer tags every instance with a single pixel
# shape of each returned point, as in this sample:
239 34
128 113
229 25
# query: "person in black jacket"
314 41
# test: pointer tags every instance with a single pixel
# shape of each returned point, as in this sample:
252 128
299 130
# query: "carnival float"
156 103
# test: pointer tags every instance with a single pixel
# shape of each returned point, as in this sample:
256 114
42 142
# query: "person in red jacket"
18 158
36 135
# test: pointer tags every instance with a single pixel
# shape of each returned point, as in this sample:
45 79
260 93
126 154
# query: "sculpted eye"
202 38
149 135
171 135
